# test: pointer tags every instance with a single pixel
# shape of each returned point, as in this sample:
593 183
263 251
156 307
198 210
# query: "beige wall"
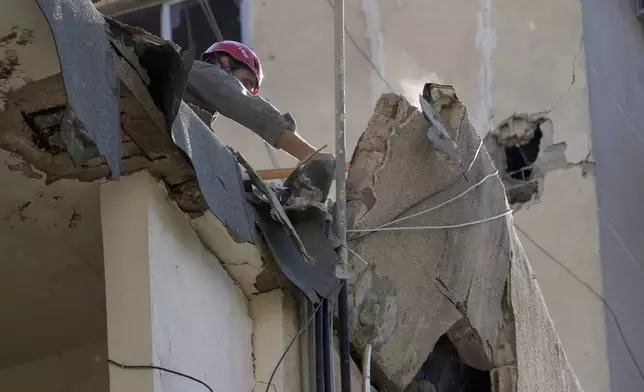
503 57
169 300
275 323
37 55
172 303
79 370
51 267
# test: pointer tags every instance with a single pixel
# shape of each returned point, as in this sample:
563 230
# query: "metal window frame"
244 18
166 18
244 23
165 22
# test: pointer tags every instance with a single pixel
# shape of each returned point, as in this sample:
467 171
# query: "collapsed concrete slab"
452 264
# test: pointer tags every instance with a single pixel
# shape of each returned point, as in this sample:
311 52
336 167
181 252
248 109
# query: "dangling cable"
297 335
124 366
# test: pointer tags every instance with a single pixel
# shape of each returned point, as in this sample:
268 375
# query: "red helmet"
241 53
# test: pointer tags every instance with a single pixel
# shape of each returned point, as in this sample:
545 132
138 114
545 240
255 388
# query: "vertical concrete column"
275 323
124 220
170 303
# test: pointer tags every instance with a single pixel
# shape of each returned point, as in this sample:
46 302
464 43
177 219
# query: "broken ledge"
146 76
117 120
472 283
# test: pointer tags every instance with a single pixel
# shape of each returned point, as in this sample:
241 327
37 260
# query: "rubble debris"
32 123
276 210
310 182
437 133
140 80
116 108
76 139
45 126
472 283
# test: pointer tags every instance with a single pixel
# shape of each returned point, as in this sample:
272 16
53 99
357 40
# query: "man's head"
238 60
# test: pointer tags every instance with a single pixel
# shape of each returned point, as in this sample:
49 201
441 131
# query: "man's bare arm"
294 145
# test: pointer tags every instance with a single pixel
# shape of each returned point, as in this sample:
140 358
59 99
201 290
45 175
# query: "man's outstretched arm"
214 90
293 144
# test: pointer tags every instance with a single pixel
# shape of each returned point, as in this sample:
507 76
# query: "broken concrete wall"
506 57
472 281
32 146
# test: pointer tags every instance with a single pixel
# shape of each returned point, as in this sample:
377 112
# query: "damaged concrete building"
178 265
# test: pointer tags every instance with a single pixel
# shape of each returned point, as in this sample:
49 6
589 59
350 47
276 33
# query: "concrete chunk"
471 282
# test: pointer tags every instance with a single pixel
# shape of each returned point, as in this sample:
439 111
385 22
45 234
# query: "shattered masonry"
150 128
473 284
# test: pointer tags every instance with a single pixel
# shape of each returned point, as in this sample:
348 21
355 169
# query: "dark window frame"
188 13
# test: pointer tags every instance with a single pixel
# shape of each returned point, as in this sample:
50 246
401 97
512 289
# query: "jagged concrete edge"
522 280
85 57
530 360
217 173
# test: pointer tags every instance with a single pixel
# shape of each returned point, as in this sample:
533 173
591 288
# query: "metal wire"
297 335
450 185
124 366
453 226
431 208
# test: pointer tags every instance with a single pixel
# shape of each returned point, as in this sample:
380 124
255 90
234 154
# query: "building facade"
549 81
573 67
557 65
103 278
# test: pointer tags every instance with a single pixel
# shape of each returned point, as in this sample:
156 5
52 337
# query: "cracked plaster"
562 63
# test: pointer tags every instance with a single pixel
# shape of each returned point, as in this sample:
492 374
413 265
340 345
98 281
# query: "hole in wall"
444 371
519 159
515 147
